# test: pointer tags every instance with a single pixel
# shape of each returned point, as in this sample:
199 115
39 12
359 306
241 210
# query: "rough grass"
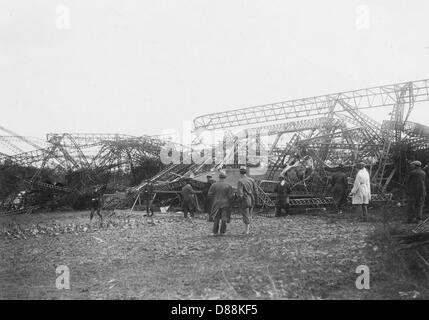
401 272
134 257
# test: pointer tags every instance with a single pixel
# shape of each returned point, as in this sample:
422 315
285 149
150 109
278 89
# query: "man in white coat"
361 192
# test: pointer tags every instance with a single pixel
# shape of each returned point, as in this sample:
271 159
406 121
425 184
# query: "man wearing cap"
221 193
426 170
416 191
208 200
148 196
189 204
247 193
338 188
361 192
96 204
283 191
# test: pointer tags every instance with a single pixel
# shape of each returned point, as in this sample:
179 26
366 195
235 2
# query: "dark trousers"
427 198
415 207
207 205
280 206
340 199
188 207
221 217
149 207
93 210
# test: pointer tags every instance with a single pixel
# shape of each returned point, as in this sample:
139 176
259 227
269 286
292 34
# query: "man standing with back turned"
208 200
148 198
339 186
221 193
283 191
416 191
189 204
247 193
361 191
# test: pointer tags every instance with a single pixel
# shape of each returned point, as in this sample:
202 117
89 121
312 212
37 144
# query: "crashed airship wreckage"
305 140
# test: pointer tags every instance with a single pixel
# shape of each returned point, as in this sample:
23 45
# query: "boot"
287 209
215 228
365 213
246 229
223 228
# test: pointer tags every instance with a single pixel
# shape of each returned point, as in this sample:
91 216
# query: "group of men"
220 196
360 192
416 186
219 200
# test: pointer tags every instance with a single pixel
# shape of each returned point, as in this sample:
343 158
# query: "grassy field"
303 256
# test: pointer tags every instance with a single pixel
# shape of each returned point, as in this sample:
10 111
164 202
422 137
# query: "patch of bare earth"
296 257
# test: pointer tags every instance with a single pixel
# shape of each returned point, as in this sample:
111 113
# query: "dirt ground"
303 256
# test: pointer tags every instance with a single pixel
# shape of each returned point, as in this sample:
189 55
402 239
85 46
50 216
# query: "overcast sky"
141 67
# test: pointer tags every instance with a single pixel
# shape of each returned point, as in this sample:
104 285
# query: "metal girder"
263 197
412 129
345 146
300 125
352 132
88 138
358 99
393 135
5 141
370 125
33 157
418 144
280 159
327 201
91 139
50 186
397 115
83 160
24 139
410 101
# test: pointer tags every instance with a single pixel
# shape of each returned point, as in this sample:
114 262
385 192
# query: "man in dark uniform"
208 200
416 191
189 204
247 194
96 204
221 193
148 196
339 185
426 170
283 191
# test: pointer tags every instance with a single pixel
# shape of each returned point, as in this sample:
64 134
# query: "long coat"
187 196
416 183
339 186
221 193
246 189
361 191
283 191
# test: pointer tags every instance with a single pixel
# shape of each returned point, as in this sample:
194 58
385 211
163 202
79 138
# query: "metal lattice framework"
334 129
381 96
328 129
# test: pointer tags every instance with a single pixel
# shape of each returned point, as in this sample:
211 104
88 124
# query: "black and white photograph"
214 155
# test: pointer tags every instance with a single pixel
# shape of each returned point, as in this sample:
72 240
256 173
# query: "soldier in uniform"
221 193
148 198
208 200
339 186
426 170
283 191
189 204
247 194
416 192
96 204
